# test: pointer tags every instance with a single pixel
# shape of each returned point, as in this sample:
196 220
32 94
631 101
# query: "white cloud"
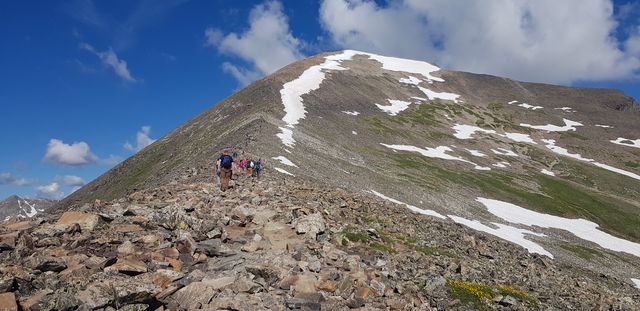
70 180
109 58
142 139
75 154
9 179
267 45
50 191
546 40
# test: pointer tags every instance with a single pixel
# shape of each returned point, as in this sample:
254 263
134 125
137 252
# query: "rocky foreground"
278 245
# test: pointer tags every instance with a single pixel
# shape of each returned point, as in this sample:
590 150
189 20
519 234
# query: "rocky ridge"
278 244
15 206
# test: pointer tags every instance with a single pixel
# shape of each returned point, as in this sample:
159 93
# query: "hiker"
258 168
223 166
250 166
241 166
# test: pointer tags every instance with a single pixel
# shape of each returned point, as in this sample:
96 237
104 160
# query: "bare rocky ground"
277 245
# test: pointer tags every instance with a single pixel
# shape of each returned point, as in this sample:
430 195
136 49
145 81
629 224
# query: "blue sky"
85 84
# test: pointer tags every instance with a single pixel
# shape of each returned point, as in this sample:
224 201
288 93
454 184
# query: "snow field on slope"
285 161
439 152
476 153
439 95
568 126
292 91
525 105
507 233
627 142
283 171
414 209
410 80
581 228
396 107
464 131
404 65
351 113
551 145
547 172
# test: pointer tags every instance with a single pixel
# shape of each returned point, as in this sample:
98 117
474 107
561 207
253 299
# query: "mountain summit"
552 170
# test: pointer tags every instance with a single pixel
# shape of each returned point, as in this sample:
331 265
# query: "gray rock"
215 248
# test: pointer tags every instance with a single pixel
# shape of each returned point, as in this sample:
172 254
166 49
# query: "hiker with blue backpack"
223 166
258 166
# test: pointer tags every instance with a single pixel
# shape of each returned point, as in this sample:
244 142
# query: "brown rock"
328 286
195 294
86 221
169 252
8 302
129 266
19 226
128 228
35 302
364 293
175 264
219 283
305 283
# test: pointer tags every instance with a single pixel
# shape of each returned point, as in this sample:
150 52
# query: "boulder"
196 294
310 225
8 302
128 266
87 221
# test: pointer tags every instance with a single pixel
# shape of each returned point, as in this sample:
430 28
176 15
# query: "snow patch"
411 80
504 152
404 65
604 126
396 107
525 105
285 161
581 228
568 126
286 136
565 109
521 138
292 91
547 172
550 144
440 95
627 142
411 207
32 210
439 152
505 232
636 282
354 132
352 113
466 131
419 98
476 153
283 171
502 164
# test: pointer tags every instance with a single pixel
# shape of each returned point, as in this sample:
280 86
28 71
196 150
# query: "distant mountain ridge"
15 206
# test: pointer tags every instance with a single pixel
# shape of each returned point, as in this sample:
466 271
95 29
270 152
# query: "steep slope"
553 169
15 206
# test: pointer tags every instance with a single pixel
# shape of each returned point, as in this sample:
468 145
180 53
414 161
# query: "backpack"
258 165
251 164
225 161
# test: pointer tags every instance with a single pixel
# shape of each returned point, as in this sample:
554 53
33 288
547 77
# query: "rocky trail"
278 244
